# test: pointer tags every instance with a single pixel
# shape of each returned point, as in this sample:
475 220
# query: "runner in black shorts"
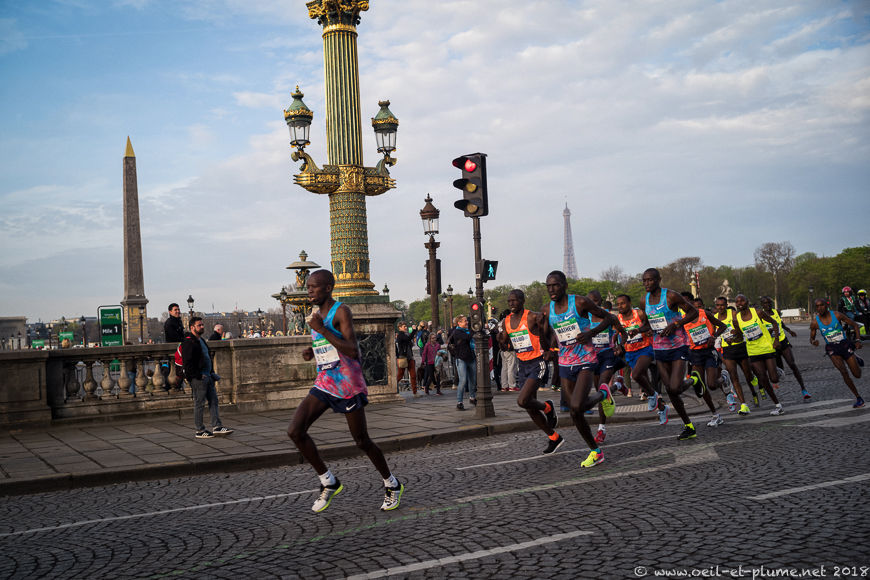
733 351
784 351
837 346
608 362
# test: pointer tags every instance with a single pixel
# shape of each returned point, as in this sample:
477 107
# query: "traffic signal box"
475 318
473 184
488 269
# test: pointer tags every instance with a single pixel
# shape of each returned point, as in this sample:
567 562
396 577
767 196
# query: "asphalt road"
756 497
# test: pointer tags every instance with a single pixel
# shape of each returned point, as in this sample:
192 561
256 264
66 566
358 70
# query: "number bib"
752 332
832 335
636 338
567 331
521 341
657 321
699 334
325 354
601 339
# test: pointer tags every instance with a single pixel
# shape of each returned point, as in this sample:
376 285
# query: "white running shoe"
327 492
715 421
778 410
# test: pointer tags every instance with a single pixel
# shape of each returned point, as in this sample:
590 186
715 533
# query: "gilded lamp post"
344 179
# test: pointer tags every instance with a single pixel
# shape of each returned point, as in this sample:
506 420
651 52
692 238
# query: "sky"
670 128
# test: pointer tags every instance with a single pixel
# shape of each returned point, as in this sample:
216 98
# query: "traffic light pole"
484 407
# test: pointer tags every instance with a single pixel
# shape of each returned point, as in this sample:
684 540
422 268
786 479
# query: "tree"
777 259
615 274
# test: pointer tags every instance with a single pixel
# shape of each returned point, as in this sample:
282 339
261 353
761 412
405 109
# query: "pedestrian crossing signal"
488 269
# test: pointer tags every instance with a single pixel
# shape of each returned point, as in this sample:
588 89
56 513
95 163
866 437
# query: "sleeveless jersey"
638 341
526 344
775 315
604 339
755 333
832 332
727 337
337 374
699 331
659 316
567 326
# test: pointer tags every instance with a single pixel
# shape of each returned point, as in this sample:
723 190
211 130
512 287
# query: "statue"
725 290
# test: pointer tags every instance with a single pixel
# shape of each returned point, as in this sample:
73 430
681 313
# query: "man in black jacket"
173 329
198 371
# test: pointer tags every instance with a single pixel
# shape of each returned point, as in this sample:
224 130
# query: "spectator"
199 372
217 333
862 306
405 356
430 351
847 304
466 369
173 329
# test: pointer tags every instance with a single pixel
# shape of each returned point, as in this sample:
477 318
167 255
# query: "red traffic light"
470 165
475 306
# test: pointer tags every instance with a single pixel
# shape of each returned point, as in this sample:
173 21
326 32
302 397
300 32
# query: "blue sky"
671 128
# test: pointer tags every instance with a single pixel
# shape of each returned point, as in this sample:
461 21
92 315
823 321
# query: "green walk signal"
488 269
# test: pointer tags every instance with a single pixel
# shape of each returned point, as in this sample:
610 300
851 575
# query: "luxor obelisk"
134 302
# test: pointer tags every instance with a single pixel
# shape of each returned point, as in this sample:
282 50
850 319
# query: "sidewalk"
99 454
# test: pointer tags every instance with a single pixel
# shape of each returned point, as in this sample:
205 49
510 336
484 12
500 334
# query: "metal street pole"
432 245
484 407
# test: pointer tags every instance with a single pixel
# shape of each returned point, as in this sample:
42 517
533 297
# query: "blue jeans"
203 390
467 373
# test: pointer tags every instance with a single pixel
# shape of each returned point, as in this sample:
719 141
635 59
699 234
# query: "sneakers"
552 446
552 418
392 497
204 435
663 415
859 402
780 374
778 410
698 383
594 458
763 393
688 433
619 386
715 421
726 380
754 381
643 397
732 401
473 402
327 492
599 437
565 408
744 409
607 402
755 400
806 394
460 406
223 430
652 401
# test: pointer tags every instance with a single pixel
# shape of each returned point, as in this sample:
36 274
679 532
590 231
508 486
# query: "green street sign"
63 335
37 343
111 325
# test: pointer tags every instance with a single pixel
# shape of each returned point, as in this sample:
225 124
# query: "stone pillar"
134 301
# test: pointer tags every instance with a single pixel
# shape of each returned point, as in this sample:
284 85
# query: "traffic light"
475 320
437 277
488 269
473 184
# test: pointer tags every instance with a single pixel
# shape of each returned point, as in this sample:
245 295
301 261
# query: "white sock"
391 481
779 405
327 478
601 427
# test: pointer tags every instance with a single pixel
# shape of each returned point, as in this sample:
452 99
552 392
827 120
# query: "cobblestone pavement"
778 492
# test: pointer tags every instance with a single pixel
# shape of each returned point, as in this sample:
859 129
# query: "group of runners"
674 331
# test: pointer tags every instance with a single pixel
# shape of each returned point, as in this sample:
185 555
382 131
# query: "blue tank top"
832 332
567 325
659 316
604 339
337 374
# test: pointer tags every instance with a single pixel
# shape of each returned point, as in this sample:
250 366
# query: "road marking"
537 457
399 570
839 421
688 455
156 513
797 412
791 490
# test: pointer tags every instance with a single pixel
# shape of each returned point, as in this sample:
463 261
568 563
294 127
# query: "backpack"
179 361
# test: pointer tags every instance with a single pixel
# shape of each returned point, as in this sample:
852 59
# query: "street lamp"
282 296
810 301
262 321
450 304
429 214
190 304
84 322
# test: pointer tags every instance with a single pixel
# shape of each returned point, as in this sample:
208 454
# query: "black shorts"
672 354
340 405
843 349
736 352
532 369
761 357
783 344
702 358
606 361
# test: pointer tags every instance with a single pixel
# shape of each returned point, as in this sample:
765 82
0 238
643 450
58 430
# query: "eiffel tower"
569 265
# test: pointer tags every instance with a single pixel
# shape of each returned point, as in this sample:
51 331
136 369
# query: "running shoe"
552 446
607 404
732 401
698 383
688 433
754 381
564 408
806 394
716 420
755 400
652 402
392 497
327 492
858 403
594 458
663 415
780 374
599 437
223 430
778 410
643 397
744 409
762 392
552 418
726 377
619 386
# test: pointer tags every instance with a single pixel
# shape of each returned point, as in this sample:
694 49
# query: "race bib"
601 339
658 322
325 354
833 335
521 341
567 331
700 334
752 332
636 338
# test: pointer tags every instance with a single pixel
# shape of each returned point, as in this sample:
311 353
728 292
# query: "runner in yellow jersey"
784 352
734 353
761 345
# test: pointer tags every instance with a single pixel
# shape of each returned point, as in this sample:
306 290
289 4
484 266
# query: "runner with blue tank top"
340 386
608 362
837 345
567 317
663 312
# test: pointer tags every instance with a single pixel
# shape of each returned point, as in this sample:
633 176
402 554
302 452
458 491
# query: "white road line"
795 412
861 417
537 457
791 490
398 570
155 513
